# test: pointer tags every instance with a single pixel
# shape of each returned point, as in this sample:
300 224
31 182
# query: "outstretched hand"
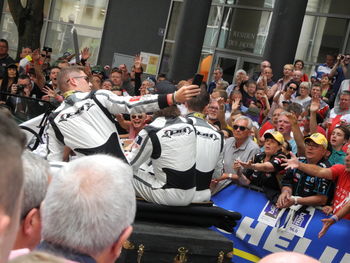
292 163
186 93
246 165
327 222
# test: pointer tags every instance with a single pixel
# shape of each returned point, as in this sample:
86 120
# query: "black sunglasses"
136 116
292 88
241 128
45 56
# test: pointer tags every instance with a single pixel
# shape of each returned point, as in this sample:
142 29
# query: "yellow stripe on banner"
245 255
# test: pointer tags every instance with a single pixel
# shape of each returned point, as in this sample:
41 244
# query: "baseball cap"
318 138
276 135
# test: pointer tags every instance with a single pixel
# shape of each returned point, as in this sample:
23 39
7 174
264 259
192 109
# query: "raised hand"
186 93
50 92
36 55
292 163
315 105
85 53
292 118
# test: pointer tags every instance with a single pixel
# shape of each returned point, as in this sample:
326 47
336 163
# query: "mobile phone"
197 79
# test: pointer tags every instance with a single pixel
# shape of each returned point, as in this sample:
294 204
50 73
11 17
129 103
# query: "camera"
20 88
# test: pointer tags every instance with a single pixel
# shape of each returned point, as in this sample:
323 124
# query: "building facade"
236 31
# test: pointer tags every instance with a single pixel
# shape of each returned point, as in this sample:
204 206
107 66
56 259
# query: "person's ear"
118 245
4 221
31 221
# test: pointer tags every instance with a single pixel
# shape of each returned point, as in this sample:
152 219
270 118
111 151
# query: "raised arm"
311 169
298 135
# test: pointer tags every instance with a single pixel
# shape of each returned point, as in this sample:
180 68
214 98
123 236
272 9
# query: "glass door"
228 63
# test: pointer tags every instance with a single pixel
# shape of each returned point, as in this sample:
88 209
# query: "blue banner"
254 239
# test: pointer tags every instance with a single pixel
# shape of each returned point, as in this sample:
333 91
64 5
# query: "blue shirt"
337 157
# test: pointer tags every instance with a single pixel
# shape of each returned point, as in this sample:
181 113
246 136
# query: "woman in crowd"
299 65
327 93
283 98
304 91
10 78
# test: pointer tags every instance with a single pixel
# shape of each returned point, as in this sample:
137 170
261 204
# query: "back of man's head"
36 180
199 102
65 74
12 142
89 205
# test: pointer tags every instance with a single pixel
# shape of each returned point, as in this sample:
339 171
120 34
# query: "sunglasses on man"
138 116
241 128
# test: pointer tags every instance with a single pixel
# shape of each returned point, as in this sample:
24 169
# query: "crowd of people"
176 144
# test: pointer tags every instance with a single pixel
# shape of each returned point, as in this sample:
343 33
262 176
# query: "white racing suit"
209 159
171 146
84 122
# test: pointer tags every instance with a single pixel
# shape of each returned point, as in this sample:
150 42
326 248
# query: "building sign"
149 63
241 41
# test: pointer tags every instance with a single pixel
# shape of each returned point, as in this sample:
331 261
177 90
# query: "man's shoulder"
251 145
7 60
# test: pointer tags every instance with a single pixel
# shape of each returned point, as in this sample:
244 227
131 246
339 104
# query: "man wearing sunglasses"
240 147
84 120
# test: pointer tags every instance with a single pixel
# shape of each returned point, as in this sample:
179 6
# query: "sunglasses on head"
241 128
138 116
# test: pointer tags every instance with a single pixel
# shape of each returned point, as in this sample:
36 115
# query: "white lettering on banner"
328 254
278 240
302 245
346 258
254 233
274 239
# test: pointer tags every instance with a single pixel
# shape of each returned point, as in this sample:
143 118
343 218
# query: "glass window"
9 32
89 12
213 26
245 30
165 63
329 6
320 36
255 3
173 21
251 67
59 38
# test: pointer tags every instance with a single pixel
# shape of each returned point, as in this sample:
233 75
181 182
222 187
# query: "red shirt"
342 190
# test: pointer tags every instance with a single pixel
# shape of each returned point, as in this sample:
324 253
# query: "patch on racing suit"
84 107
207 135
170 133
